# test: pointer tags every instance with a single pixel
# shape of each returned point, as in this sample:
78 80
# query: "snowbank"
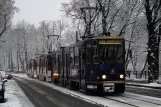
14 96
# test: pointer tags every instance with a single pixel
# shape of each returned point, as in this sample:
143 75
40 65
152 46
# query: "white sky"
34 11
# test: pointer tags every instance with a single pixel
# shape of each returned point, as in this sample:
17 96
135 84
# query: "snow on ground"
14 96
154 84
141 81
96 99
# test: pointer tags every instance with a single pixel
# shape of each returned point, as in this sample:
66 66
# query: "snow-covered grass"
14 96
141 81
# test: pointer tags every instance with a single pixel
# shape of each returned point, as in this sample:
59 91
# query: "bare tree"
152 11
84 12
7 10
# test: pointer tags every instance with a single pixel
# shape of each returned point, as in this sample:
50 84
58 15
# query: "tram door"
82 68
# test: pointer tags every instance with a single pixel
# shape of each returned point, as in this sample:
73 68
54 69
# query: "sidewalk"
143 83
14 96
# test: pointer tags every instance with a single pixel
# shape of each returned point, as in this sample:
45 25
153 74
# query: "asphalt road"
43 96
144 91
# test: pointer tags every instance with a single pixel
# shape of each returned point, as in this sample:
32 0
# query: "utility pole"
88 20
50 46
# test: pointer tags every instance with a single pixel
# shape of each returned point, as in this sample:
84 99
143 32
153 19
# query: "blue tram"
94 64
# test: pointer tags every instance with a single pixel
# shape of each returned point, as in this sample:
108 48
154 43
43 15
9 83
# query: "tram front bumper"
105 86
109 87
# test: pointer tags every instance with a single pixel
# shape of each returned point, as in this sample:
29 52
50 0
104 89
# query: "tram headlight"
103 76
121 76
35 76
55 74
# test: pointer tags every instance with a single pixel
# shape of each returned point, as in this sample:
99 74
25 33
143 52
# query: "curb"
138 85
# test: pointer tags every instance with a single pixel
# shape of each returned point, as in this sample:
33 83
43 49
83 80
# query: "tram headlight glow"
103 76
35 76
55 74
121 76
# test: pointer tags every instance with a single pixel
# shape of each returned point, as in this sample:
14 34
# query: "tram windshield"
111 53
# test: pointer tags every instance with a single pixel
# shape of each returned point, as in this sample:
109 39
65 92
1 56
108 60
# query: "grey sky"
34 11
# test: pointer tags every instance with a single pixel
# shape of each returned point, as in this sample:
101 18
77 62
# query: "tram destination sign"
102 42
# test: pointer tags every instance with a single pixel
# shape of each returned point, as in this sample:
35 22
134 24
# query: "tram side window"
49 63
30 67
95 55
89 55
71 59
46 67
44 64
35 65
76 59
59 61
54 62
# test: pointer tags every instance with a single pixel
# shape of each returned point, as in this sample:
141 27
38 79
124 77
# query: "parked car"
3 73
8 76
2 87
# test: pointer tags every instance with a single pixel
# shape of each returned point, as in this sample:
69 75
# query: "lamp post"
50 48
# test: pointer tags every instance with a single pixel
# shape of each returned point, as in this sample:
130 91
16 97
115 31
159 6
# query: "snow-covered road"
14 96
124 100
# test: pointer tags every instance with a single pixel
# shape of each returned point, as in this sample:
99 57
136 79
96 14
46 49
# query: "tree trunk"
153 55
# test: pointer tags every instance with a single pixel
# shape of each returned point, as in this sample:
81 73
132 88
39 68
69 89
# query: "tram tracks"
133 101
121 102
144 100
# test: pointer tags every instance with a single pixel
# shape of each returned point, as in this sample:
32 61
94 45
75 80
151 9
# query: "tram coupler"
109 87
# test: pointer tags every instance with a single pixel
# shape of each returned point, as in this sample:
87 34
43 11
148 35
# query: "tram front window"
111 54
